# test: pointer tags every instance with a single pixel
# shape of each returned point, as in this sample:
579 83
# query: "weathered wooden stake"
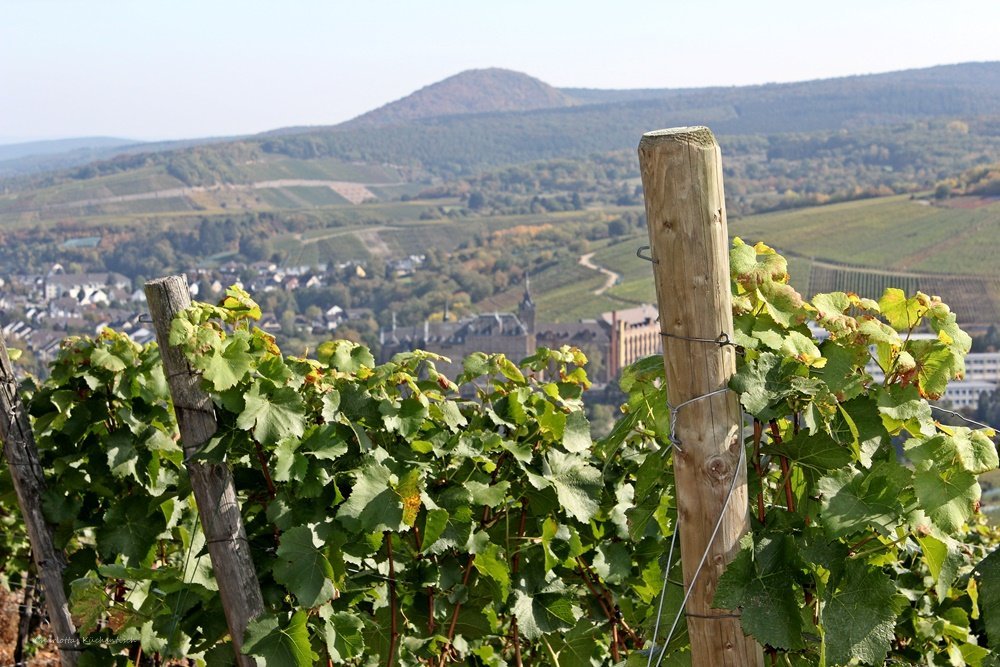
686 214
29 484
218 507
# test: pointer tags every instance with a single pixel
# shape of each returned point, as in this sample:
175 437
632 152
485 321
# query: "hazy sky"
183 68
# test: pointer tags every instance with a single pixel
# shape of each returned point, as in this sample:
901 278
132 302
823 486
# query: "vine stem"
264 469
785 467
758 433
393 602
585 573
515 566
454 614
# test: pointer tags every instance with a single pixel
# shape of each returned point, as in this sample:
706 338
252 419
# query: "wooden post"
29 484
686 215
214 491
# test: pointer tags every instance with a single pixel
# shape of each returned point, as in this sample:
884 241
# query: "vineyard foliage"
397 516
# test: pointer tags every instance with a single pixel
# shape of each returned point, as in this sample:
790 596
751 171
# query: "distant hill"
481 119
29 148
446 139
470 92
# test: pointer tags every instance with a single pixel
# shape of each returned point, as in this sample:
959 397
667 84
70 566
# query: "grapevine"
400 517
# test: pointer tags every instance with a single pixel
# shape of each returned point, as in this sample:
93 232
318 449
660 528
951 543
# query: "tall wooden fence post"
29 484
218 506
686 215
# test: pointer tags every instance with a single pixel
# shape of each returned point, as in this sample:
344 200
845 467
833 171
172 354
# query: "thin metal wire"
721 340
711 541
663 591
963 417
183 596
675 409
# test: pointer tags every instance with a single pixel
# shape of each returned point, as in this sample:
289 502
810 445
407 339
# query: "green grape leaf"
324 442
819 451
578 484
976 452
452 415
129 529
484 494
859 616
373 505
784 304
544 612
576 434
552 421
753 266
903 314
842 372
277 645
943 560
435 521
342 633
970 450
760 582
302 567
345 356
853 499
88 602
761 384
240 304
101 357
289 464
903 408
949 498
404 417
490 562
580 647
273 415
613 562
122 456
935 365
988 577
331 406
226 367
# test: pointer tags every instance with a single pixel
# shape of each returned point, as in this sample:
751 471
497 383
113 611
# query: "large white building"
982 376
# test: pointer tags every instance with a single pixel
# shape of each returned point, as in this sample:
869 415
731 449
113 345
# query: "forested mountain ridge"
472 91
488 118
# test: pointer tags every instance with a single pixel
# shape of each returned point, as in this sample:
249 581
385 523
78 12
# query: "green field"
888 233
321 169
867 246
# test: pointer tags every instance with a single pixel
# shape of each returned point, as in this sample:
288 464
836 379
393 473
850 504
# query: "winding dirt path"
611 276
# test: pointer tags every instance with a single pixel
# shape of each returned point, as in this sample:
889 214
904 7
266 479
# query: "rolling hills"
400 178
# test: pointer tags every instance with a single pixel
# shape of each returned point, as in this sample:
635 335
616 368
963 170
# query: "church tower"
526 309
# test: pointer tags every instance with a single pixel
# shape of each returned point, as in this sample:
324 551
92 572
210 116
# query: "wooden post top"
695 134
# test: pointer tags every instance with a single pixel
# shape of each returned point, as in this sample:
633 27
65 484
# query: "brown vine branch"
609 605
612 619
785 467
393 602
758 433
446 649
271 490
430 610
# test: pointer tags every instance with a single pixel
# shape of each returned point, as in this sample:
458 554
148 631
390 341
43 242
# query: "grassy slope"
892 233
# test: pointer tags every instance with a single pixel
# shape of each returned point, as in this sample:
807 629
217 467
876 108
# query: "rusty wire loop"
722 340
675 409
648 258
